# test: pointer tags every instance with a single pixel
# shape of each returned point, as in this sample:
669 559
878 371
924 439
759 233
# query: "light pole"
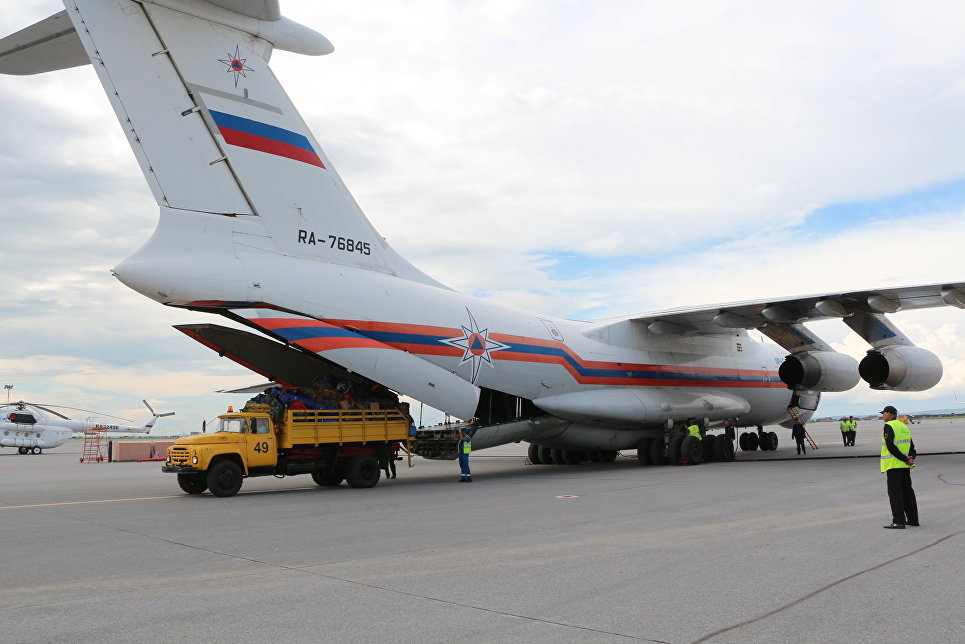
8 388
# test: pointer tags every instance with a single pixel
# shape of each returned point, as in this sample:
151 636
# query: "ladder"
807 436
95 444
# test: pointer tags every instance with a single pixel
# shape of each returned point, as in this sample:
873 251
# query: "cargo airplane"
256 226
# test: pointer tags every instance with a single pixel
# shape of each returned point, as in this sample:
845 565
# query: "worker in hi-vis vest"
897 459
465 449
852 430
694 429
845 428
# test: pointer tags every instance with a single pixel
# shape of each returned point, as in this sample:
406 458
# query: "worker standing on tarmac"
897 459
852 430
465 449
845 428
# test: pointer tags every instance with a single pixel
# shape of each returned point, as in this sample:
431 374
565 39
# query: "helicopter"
32 427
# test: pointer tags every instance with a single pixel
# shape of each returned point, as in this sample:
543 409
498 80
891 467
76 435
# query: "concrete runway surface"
767 550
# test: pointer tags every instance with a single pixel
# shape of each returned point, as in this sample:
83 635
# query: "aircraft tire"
727 450
224 478
546 456
572 457
192 483
643 451
673 450
593 456
36 450
533 454
692 450
742 441
22 450
709 442
719 447
657 457
557 455
753 442
362 471
327 479
773 440
608 455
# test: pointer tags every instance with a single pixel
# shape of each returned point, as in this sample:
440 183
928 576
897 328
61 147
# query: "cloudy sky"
580 159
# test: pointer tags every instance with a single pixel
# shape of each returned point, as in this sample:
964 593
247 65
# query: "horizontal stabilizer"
46 46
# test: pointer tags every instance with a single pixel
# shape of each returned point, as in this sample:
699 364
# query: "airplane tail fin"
212 128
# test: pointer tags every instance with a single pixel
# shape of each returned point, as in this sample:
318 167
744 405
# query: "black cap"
889 410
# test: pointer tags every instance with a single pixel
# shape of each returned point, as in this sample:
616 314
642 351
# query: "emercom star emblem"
476 346
236 64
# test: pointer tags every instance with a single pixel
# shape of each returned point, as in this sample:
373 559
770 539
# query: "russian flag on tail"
254 135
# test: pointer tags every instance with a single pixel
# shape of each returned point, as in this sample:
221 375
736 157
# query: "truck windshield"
234 425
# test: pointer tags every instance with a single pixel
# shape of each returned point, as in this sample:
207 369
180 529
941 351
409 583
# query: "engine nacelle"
819 371
901 368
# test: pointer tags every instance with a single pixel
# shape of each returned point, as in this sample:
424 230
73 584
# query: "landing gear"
726 449
546 456
749 442
691 450
643 451
23 450
657 455
673 450
557 455
608 455
709 443
533 454
36 450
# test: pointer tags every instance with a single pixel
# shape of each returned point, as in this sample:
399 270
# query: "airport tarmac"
778 549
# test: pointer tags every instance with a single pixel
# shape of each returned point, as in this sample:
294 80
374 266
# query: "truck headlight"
194 460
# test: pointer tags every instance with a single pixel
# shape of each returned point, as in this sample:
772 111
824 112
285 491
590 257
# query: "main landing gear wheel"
533 454
327 478
718 445
224 478
362 471
608 455
749 442
546 456
673 450
22 450
573 457
772 440
692 450
192 483
657 457
709 442
36 450
727 450
557 455
643 451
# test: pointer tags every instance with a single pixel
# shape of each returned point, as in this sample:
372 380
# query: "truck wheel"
224 478
192 483
330 479
362 471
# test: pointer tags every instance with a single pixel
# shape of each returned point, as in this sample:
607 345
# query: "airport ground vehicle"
330 444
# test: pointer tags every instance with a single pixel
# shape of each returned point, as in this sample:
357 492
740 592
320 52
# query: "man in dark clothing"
897 459
797 433
729 432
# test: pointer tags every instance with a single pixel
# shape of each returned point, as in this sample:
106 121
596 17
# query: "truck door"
261 443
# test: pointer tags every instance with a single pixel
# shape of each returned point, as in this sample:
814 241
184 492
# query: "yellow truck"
331 445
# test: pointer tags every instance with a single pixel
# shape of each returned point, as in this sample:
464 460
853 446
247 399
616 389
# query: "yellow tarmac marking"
47 505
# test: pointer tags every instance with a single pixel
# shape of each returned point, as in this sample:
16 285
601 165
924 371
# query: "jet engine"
901 368
819 371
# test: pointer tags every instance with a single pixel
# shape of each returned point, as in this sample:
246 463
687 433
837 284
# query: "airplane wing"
795 310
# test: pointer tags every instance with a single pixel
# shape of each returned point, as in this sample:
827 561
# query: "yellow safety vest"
695 431
467 445
902 441
844 426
